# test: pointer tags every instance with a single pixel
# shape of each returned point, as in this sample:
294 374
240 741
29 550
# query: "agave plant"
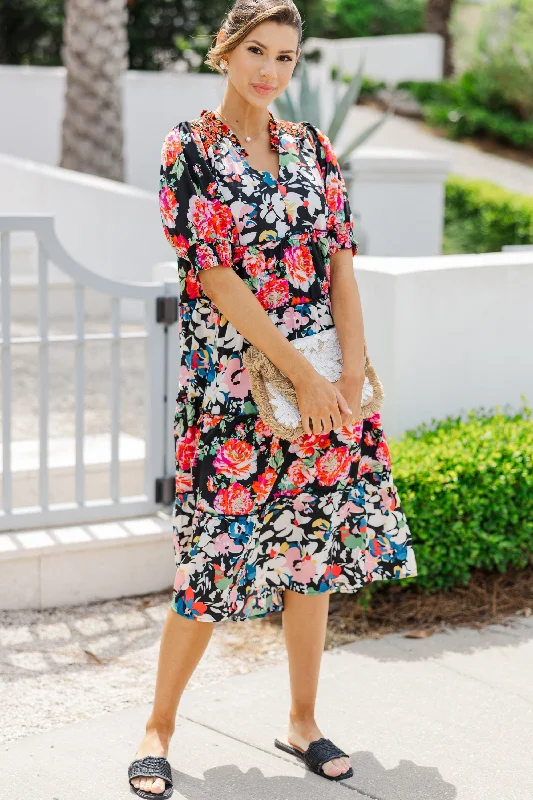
308 107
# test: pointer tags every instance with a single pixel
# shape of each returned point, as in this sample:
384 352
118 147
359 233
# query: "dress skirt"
320 514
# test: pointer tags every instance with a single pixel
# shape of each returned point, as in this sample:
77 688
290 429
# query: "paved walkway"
444 718
401 132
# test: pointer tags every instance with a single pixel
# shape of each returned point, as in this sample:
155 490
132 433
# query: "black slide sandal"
318 752
151 767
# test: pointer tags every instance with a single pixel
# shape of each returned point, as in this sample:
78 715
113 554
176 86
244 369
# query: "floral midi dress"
255 514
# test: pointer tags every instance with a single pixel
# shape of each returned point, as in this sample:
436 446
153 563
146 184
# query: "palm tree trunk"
436 20
95 54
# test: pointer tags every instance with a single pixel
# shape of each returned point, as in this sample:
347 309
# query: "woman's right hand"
321 405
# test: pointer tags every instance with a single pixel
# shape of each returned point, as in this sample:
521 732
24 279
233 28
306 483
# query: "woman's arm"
318 399
348 318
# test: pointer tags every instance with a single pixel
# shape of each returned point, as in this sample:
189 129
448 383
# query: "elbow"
214 282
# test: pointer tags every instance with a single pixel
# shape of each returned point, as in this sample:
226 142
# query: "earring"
224 65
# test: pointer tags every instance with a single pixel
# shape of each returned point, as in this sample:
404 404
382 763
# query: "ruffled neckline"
225 130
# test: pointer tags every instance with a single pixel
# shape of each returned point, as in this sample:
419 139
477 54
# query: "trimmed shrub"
481 217
466 486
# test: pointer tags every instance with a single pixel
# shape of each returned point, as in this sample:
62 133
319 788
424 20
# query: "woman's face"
267 56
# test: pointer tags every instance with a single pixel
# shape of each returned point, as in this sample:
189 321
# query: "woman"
257 212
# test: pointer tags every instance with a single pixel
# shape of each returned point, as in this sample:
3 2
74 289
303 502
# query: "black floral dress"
255 514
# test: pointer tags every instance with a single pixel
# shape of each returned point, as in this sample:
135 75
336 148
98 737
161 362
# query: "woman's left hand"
351 388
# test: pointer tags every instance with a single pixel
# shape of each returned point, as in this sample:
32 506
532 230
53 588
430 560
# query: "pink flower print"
179 579
235 379
367 464
333 466
232 166
389 498
299 473
243 215
264 483
300 266
223 543
348 508
262 430
350 434
234 500
183 481
186 447
302 569
293 320
371 562
334 192
383 453
172 148
306 444
185 376
368 439
235 458
301 501
254 263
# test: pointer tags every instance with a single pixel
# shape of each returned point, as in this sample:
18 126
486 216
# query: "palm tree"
95 54
437 20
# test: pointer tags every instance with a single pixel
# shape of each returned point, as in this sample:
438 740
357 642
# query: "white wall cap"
83 179
403 265
351 41
390 161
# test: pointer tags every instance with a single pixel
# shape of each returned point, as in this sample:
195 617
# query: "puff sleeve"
196 223
340 221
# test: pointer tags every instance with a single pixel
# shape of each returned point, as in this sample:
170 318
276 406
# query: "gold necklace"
246 138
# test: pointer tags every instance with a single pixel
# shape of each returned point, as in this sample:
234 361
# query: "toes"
331 767
336 766
155 785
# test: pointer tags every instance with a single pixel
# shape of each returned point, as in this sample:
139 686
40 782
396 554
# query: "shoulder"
321 142
182 142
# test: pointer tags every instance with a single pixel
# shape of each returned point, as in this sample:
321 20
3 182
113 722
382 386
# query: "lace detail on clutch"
323 351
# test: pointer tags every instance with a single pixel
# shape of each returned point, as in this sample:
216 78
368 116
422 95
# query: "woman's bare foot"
302 733
155 743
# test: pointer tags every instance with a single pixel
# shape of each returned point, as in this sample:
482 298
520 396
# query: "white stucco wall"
417 56
32 107
399 196
448 333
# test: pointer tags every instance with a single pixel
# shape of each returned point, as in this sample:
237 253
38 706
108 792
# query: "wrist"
300 370
353 374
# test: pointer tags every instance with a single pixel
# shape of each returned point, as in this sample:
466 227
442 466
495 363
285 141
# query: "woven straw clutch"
275 395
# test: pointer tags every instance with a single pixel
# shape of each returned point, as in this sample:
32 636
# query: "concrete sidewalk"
442 718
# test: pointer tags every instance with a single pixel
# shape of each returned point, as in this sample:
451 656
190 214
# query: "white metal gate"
161 383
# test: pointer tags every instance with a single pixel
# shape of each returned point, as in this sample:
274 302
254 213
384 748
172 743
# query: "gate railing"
160 383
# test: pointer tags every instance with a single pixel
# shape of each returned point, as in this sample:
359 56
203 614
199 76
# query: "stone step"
61 463
68 565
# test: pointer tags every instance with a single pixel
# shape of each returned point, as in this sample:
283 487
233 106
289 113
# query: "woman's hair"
244 16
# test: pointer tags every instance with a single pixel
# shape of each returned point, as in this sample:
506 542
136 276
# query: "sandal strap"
150 767
320 751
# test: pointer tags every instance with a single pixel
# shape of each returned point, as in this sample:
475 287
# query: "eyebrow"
266 48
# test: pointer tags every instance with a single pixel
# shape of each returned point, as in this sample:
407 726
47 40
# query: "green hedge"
470 105
480 217
466 486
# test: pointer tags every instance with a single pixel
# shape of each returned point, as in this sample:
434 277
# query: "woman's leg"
183 643
305 619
